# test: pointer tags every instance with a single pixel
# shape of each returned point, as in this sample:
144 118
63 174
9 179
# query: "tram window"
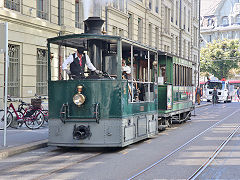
162 72
189 77
174 69
180 75
185 76
140 85
176 75
110 65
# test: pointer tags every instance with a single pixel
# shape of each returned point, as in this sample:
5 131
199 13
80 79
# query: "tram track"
213 156
179 148
41 164
31 161
50 173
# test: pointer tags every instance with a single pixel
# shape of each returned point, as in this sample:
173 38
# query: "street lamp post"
4 48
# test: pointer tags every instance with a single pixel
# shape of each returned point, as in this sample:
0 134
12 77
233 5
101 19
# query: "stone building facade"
171 26
220 20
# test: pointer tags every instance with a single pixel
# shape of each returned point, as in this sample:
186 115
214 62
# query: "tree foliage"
218 58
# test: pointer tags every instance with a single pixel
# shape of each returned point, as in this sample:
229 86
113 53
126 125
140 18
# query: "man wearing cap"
77 63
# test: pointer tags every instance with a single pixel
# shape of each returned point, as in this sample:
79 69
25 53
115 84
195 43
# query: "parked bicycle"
31 116
9 118
44 110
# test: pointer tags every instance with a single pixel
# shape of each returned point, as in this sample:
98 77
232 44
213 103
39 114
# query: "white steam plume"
94 6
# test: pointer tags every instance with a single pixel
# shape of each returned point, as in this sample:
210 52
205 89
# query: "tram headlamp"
79 98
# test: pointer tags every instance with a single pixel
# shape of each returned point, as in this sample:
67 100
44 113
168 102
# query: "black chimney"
93 25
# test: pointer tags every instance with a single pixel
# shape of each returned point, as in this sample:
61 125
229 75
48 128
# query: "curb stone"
4 153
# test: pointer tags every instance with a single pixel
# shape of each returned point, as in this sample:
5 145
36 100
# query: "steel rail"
212 157
180 147
50 154
45 175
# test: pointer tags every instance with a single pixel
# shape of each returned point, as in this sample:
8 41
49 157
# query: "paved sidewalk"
22 140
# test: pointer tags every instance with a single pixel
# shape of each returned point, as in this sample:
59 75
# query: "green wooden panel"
162 97
134 108
105 92
112 95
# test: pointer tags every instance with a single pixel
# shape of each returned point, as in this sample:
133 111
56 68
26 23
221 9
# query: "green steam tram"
117 107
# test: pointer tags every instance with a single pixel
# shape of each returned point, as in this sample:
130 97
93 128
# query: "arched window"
225 21
238 19
209 22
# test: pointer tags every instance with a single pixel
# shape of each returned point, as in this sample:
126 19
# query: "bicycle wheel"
9 120
35 121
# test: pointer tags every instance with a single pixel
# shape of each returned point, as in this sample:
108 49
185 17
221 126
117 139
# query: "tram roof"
72 40
135 43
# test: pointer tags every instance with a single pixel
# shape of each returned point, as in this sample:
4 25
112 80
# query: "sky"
207 5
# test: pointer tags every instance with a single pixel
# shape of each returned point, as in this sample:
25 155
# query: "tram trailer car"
103 110
176 94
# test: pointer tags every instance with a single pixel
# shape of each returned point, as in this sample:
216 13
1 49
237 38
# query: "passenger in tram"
77 63
126 74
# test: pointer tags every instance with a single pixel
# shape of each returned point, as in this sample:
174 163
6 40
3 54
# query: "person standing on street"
214 96
198 95
238 93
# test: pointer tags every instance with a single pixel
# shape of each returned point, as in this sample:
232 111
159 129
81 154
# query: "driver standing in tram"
77 63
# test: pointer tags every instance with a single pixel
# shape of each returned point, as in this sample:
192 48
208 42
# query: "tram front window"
98 59
212 85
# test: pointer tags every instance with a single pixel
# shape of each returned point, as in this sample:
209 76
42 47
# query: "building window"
150 34
189 50
14 70
130 26
150 4
157 38
210 38
177 12
157 6
184 48
195 36
184 18
118 4
42 9
114 31
79 14
225 21
121 32
12 4
172 12
176 41
189 20
140 29
238 19
41 79
209 22
167 19
60 12
195 9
